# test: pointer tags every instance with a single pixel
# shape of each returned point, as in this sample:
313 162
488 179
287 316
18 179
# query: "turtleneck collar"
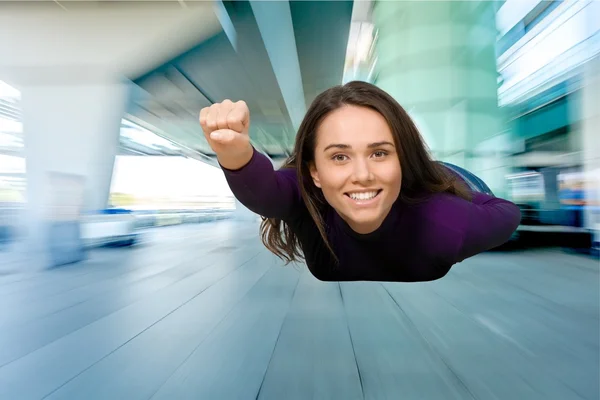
387 225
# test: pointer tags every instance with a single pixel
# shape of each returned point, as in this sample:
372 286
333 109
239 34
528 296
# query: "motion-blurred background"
114 215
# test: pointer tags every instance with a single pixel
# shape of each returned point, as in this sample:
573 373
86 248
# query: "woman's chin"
365 224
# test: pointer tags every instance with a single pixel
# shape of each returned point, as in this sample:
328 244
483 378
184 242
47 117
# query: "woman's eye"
379 154
339 157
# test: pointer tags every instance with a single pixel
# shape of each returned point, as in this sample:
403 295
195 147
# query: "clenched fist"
225 127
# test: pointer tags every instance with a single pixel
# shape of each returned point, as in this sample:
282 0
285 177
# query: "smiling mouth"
364 196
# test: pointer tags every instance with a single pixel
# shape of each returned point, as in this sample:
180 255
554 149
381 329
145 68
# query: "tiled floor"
205 312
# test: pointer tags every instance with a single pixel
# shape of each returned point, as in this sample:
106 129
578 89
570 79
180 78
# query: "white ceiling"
48 40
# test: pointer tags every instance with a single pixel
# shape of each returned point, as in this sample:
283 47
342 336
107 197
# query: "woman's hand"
225 127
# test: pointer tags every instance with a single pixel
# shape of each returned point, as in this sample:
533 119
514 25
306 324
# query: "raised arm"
490 222
270 193
250 175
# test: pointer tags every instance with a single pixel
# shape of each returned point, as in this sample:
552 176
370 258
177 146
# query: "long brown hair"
421 176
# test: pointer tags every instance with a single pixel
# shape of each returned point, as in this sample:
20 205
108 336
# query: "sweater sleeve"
490 222
269 193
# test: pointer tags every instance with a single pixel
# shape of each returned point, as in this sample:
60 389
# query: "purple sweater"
414 243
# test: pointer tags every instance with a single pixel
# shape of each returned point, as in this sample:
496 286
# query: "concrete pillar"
438 60
274 21
71 136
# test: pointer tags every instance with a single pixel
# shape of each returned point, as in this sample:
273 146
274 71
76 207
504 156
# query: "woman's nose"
361 171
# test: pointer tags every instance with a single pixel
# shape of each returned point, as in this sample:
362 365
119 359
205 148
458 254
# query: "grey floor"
204 312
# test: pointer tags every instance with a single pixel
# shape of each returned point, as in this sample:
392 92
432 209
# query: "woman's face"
357 167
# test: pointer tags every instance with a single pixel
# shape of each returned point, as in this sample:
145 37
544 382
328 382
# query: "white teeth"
362 196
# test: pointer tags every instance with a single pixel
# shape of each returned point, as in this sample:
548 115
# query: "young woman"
359 199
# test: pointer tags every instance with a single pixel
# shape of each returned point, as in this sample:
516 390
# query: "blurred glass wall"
12 163
153 173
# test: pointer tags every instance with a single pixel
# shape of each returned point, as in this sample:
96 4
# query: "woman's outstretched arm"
490 222
250 175
270 193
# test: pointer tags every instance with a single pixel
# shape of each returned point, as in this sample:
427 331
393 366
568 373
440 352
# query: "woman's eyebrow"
379 144
338 145
347 146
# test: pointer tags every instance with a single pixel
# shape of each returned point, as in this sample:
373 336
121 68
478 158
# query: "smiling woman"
359 199
356 166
